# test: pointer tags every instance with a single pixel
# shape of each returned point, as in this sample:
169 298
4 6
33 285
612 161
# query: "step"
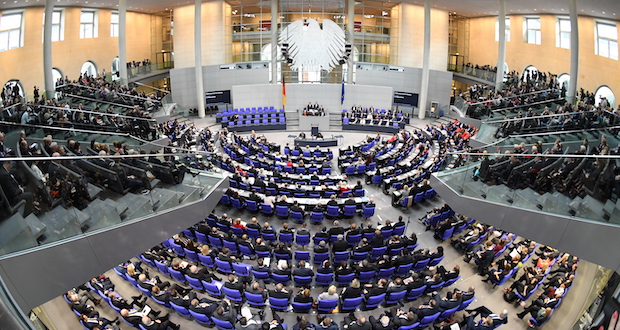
120 205
81 217
590 208
141 205
101 215
164 198
15 234
474 189
61 223
36 226
190 194
93 191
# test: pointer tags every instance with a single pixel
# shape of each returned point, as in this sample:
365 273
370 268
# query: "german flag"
283 93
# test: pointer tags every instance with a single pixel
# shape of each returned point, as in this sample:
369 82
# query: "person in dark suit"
13 191
425 310
224 313
296 208
384 323
233 283
451 300
280 292
336 229
301 270
321 247
203 307
340 245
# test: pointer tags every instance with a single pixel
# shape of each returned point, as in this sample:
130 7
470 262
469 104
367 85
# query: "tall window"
507 29
607 40
11 28
564 28
58 32
532 30
88 24
114 25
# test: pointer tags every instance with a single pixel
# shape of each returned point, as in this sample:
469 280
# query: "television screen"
217 97
406 99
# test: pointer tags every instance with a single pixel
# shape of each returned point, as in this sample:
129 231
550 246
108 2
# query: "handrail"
98 89
99 113
527 105
464 153
513 96
531 117
96 100
151 87
64 129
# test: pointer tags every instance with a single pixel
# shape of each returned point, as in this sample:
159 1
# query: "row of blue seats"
395 124
418 198
287 237
272 121
226 118
181 310
348 211
306 193
217 289
238 111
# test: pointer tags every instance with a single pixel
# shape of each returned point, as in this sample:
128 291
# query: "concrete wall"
183 81
26 63
594 241
411 36
43 274
213 35
546 56
409 81
372 88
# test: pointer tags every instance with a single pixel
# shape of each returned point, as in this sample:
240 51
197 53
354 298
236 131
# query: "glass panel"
607 31
603 47
114 19
533 23
4 40
12 21
613 50
565 25
55 32
56 17
14 38
87 17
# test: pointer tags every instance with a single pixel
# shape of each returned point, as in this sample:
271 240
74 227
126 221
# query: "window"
89 69
532 30
564 28
607 40
11 25
604 94
57 75
58 29
88 24
114 24
507 29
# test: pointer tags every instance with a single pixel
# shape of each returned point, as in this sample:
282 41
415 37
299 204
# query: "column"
200 98
47 50
122 40
426 60
501 55
571 92
274 41
350 32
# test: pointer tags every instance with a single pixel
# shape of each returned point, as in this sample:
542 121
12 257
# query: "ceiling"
608 9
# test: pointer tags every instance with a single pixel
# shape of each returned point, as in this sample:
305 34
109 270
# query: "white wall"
298 96
440 82
214 79
213 34
411 36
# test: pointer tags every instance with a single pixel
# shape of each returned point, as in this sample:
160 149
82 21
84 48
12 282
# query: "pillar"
350 32
501 54
274 41
425 60
47 50
200 98
571 92
122 40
